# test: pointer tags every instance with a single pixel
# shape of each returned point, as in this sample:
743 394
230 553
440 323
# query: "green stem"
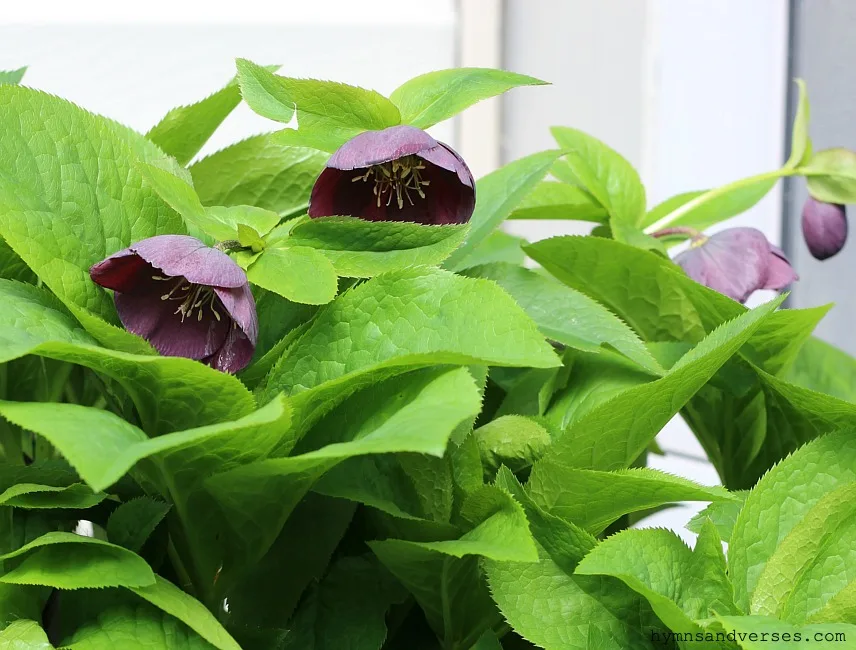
715 193
180 569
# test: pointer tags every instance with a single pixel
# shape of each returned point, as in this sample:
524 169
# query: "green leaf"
800 141
498 194
68 561
564 542
783 498
682 586
604 174
613 434
34 496
131 523
260 172
403 320
559 611
363 249
824 368
170 393
722 514
566 315
554 200
593 499
511 440
172 600
414 413
813 563
760 632
236 217
24 635
436 96
12 76
347 609
655 298
112 619
498 246
70 194
443 576
831 175
328 113
184 130
103 459
300 274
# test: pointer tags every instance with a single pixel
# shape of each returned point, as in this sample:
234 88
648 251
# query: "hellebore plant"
398 174
185 298
340 409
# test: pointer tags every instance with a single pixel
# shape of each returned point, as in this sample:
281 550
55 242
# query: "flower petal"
375 147
180 255
733 262
146 315
241 307
121 271
824 227
235 354
447 158
780 273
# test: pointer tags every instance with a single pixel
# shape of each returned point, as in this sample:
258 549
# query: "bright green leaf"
831 176
24 635
300 274
132 522
554 200
436 96
800 141
328 113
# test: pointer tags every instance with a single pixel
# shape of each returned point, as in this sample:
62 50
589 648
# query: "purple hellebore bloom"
736 262
398 174
185 298
824 227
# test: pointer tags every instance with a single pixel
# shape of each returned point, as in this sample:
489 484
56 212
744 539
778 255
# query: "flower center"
193 297
397 178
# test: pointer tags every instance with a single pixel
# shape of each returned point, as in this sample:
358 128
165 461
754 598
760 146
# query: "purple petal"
235 354
121 271
824 227
180 255
734 262
780 273
375 147
145 314
241 307
447 158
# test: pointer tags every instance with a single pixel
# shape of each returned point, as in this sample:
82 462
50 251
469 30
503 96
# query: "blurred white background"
692 92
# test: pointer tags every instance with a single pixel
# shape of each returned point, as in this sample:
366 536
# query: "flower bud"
824 227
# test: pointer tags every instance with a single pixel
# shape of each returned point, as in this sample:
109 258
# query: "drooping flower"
185 298
398 174
824 227
736 262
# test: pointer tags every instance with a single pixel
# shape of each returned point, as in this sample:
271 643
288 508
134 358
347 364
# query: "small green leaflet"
831 176
556 200
328 113
436 96
131 523
800 140
604 174
24 635
299 274
12 76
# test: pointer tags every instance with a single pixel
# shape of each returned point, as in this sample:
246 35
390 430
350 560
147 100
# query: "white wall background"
692 92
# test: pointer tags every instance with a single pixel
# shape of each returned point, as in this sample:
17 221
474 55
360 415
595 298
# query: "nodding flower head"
824 227
736 262
185 298
398 174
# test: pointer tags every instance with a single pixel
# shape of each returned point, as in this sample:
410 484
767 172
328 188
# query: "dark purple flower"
737 262
185 298
398 174
824 227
